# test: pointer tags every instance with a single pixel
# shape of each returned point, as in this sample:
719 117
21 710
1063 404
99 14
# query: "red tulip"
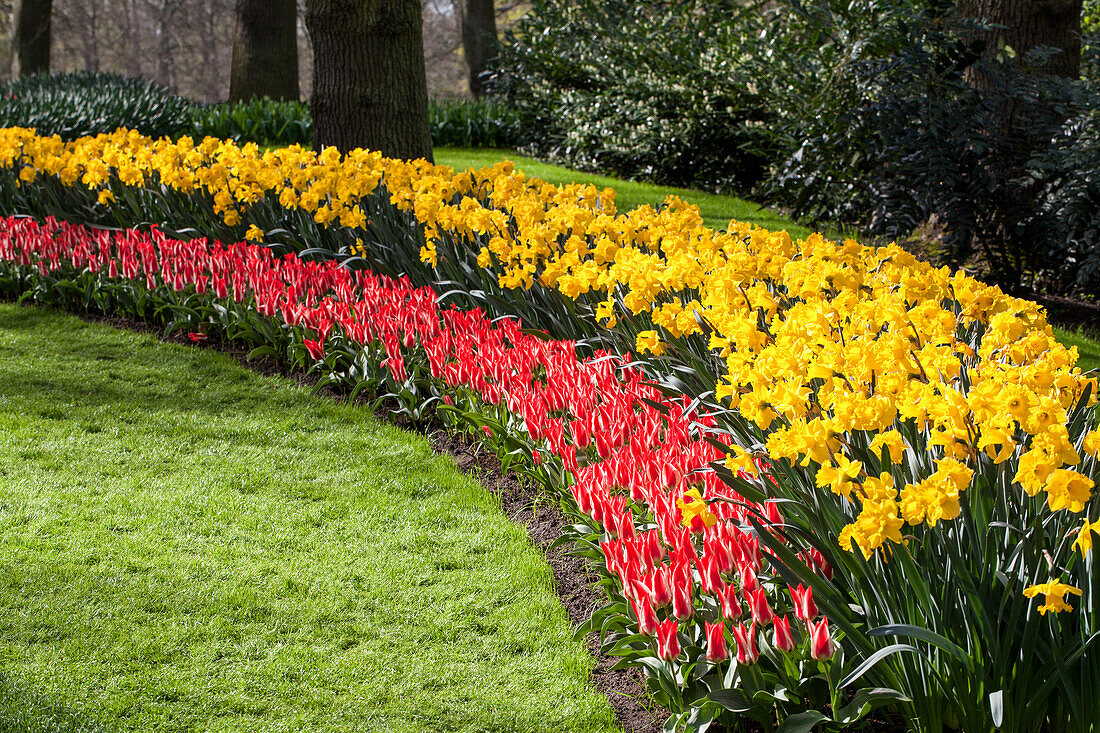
730 603
804 607
668 641
660 586
580 433
716 642
758 606
782 638
316 349
647 617
710 579
748 578
681 598
747 653
821 642
821 563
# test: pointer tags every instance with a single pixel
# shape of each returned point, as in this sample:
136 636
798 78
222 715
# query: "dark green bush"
919 125
456 123
261 121
465 123
1070 197
653 90
83 103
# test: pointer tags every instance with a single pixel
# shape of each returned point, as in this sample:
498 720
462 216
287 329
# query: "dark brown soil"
574 581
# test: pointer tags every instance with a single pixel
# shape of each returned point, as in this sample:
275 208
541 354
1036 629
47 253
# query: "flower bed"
923 432
688 583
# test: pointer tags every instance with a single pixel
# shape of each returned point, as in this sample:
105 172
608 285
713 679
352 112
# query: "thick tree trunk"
131 23
89 40
479 35
1031 23
30 42
265 50
166 46
369 86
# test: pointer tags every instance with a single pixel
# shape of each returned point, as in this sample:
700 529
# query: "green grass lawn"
717 209
189 546
1088 348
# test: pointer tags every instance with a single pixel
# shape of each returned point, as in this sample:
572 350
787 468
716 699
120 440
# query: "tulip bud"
747 653
716 642
748 578
669 476
580 433
668 643
709 578
624 525
681 600
783 640
771 511
647 617
822 564
804 607
660 586
730 603
652 550
758 606
821 642
603 445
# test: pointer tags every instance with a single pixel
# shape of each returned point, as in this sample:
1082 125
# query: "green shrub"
1070 172
261 121
653 91
454 123
902 137
83 103
465 123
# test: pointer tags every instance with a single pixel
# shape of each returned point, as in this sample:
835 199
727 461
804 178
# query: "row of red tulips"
692 593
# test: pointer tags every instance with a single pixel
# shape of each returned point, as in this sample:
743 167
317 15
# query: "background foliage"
636 89
892 116
81 103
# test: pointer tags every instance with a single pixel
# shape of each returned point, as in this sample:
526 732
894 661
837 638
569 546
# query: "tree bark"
1032 23
369 83
479 35
265 50
166 46
30 43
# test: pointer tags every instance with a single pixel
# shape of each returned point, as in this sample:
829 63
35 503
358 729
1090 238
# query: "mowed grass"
717 209
189 546
1088 349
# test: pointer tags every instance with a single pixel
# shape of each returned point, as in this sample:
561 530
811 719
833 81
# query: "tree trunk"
166 46
30 42
479 35
1032 23
369 85
265 50
131 23
89 40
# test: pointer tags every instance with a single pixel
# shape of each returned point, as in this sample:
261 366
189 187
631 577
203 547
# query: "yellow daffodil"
692 506
1054 593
